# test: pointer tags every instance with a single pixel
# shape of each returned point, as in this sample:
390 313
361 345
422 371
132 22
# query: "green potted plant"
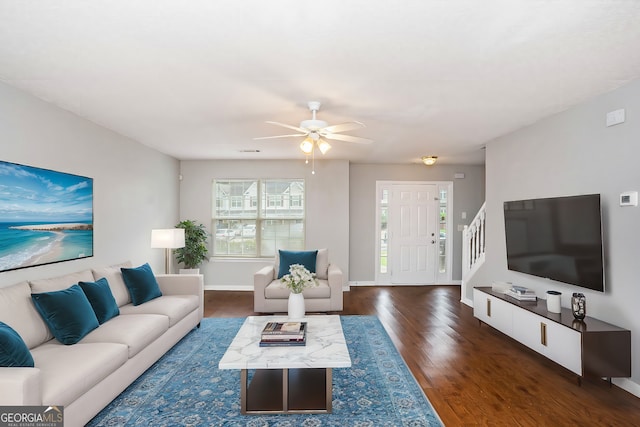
195 245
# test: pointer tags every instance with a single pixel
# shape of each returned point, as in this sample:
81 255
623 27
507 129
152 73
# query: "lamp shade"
167 238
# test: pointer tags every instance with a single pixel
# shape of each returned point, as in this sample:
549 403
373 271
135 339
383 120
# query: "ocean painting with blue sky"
45 216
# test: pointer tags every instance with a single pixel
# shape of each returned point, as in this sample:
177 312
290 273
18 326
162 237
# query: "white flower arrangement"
299 278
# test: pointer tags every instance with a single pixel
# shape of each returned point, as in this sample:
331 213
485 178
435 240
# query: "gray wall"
135 187
568 154
468 196
327 209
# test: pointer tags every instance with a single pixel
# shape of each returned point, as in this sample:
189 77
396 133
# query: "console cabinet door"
555 341
493 311
529 329
564 346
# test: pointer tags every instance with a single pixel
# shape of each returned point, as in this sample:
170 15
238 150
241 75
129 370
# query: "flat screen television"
557 238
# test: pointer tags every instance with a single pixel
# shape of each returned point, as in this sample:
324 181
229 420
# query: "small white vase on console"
296 306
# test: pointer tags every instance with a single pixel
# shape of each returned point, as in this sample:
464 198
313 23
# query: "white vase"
189 271
296 306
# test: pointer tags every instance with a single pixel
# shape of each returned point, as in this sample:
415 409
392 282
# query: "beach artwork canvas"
45 216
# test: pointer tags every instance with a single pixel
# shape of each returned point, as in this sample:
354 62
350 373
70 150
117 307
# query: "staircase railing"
473 245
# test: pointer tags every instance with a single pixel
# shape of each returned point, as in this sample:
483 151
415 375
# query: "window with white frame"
254 217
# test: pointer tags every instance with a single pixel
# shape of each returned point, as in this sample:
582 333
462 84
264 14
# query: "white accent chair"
270 295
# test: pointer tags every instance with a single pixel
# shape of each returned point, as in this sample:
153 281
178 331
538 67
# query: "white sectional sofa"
86 376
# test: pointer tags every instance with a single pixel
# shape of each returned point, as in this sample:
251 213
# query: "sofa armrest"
20 387
335 284
261 280
183 284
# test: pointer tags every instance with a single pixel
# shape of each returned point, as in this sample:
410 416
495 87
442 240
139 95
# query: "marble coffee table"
287 379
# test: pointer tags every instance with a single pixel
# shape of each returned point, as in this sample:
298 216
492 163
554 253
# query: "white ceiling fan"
315 130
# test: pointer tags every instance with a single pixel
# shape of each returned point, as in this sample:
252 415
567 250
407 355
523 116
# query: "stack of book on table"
521 293
284 334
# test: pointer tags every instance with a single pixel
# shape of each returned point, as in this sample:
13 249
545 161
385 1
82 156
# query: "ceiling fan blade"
348 138
343 127
305 131
281 136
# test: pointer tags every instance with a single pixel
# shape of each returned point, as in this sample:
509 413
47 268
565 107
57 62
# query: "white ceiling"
197 79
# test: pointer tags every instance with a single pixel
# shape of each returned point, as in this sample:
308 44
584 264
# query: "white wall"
135 187
327 209
468 196
574 153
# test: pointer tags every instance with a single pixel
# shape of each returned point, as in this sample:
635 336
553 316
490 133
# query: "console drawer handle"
543 334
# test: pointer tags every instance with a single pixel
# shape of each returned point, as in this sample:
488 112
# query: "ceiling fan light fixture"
307 145
324 146
429 160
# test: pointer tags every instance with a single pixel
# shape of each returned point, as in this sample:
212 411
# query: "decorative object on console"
194 250
578 305
167 239
521 293
553 301
51 222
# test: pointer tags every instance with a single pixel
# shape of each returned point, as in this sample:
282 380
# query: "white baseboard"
452 282
467 301
627 385
228 288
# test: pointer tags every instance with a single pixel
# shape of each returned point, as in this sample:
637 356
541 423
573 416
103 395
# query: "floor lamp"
167 239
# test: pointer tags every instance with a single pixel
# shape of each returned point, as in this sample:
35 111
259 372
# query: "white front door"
413 238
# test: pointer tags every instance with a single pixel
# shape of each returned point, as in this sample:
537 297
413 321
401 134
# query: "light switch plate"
615 117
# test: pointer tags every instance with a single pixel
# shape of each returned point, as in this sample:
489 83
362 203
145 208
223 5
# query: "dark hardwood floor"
472 374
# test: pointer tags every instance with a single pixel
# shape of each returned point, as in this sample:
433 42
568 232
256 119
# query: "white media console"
588 348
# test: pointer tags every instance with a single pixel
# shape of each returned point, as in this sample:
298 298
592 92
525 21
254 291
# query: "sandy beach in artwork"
54 227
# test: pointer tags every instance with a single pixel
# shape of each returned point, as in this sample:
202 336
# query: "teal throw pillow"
13 351
101 299
288 258
67 313
141 283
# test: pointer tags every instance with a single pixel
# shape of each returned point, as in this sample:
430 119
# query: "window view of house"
253 218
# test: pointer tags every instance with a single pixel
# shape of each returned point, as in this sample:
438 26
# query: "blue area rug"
186 388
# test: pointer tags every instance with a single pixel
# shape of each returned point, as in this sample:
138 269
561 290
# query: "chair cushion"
67 313
288 258
141 283
13 351
101 299
113 274
322 264
278 290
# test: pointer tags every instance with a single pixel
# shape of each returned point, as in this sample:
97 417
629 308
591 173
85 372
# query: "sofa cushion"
322 264
141 283
13 351
69 371
68 313
113 274
176 307
288 258
60 283
17 310
136 331
101 299
278 290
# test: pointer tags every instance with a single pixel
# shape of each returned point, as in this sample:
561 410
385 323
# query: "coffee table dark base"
286 391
